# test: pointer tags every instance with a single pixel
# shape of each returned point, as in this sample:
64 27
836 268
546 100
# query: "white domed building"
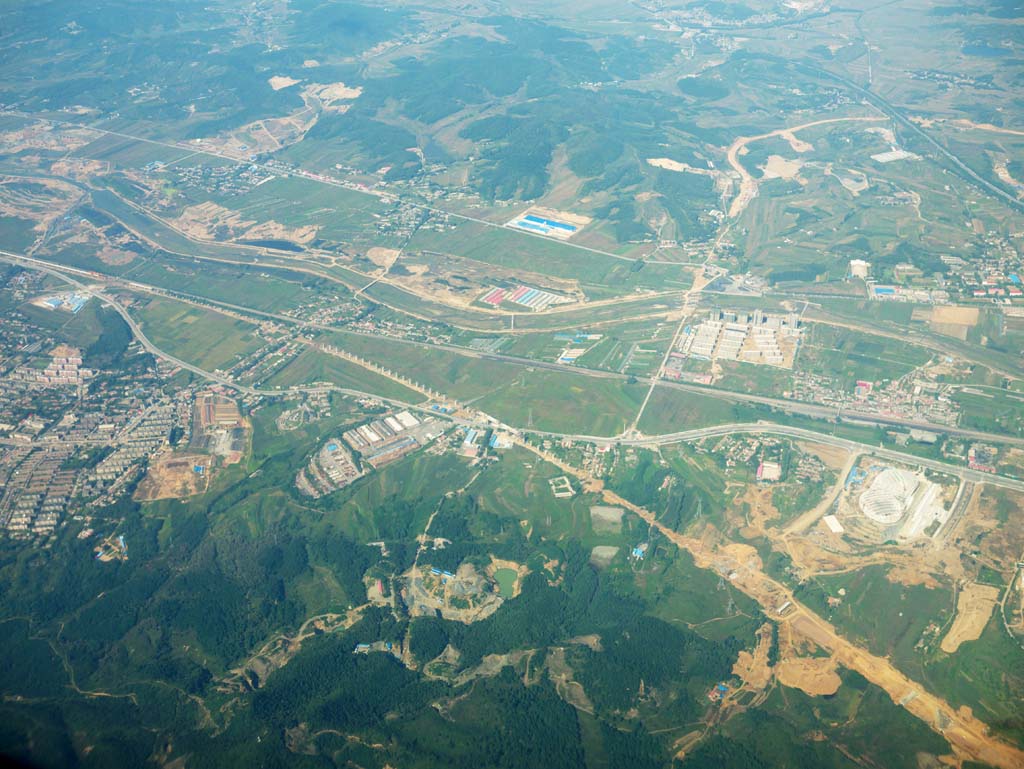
890 496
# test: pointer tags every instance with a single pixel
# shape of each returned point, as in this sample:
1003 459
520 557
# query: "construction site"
464 595
457 281
881 504
759 337
175 476
219 428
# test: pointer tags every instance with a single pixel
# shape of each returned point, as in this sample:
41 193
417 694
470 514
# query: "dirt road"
805 521
968 736
748 184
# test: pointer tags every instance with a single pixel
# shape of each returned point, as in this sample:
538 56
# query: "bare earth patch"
973 609
562 677
961 316
779 167
833 456
382 257
602 555
278 82
673 165
606 519
332 97
798 145
753 669
174 476
815 676
272 230
210 221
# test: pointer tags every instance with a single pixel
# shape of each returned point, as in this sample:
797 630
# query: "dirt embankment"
748 184
973 608
967 735
753 668
816 676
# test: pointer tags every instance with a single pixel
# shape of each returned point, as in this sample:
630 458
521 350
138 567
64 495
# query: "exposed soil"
602 555
965 733
833 456
748 184
778 167
973 608
961 316
278 82
604 519
173 476
383 257
210 221
816 676
332 97
562 677
753 668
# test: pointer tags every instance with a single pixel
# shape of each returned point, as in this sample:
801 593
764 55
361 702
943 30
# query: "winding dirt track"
748 184
968 736
987 127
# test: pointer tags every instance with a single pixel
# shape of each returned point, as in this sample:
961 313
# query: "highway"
318 179
812 410
203 373
898 116
772 428
272 261
767 428
968 735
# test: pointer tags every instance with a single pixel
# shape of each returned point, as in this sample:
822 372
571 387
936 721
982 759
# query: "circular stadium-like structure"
890 495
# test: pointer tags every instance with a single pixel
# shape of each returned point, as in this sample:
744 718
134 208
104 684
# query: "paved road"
815 411
656 440
203 373
770 428
967 734
896 114
317 179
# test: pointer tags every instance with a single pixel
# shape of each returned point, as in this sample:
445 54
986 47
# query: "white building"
859 268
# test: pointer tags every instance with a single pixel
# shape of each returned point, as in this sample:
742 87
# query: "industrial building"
757 337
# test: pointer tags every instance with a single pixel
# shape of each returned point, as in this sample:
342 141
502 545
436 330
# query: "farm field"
674 411
563 402
312 366
204 338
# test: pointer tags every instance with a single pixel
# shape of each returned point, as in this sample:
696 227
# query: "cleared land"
973 608
816 676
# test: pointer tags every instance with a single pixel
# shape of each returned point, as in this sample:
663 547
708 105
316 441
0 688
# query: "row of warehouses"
385 440
379 430
732 336
534 298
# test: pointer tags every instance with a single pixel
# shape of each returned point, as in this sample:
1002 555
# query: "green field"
201 337
849 355
671 410
312 366
991 410
565 403
246 627
889 618
244 286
